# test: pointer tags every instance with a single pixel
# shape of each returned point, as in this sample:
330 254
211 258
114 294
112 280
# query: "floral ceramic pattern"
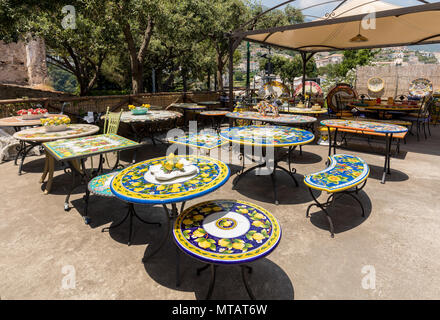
364 126
283 118
100 185
40 134
130 185
344 172
152 115
303 110
195 232
200 140
88 146
277 136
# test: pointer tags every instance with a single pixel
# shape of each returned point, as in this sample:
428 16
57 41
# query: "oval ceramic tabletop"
214 113
303 110
364 126
151 116
281 119
188 106
227 232
39 134
131 186
17 121
275 136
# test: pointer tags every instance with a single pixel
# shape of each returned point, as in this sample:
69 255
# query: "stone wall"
23 63
397 78
11 91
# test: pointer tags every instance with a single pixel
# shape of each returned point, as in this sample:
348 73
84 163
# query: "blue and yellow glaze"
344 172
260 236
200 140
100 185
129 185
267 136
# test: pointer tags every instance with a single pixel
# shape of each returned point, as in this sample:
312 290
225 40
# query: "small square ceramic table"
76 151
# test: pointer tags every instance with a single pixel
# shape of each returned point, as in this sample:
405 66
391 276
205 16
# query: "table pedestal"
276 166
130 214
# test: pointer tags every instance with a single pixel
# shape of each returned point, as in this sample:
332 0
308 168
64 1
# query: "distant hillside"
427 47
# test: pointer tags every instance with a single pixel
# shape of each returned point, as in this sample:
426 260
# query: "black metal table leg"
387 165
211 283
130 214
246 284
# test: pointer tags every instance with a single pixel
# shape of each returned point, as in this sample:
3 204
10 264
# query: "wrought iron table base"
22 151
276 166
213 268
130 214
331 200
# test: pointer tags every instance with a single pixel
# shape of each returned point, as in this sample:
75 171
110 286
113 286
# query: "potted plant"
32 113
141 110
55 124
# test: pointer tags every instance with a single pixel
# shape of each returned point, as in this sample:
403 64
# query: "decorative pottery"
157 175
345 91
420 88
376 84
32 116
61 127
273 88
312 87
139 111
316 107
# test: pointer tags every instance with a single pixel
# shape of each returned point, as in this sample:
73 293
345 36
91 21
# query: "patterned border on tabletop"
282 137
261 238
63 149
129 185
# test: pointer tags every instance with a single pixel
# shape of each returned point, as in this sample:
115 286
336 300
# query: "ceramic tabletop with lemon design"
134 184
39 134
267 136
227 232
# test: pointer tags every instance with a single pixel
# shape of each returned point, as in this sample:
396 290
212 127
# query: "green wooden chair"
111 126
111 122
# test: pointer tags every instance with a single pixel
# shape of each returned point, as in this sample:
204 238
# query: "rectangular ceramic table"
76 151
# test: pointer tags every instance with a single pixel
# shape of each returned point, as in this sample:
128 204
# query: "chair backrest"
111 122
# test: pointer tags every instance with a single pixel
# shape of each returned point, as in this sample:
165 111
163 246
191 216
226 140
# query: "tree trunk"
137 82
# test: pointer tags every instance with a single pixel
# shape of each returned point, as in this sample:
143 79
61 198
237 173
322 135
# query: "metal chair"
422 118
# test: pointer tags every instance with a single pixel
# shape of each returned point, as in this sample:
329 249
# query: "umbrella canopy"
350 27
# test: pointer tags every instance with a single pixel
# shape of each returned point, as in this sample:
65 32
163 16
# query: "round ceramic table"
303 110
216 117
33 137
268 139
188 107
136 185
364 126
286 119
17 122
141 124
226 232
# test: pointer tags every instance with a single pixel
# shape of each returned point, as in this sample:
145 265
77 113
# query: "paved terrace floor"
400 237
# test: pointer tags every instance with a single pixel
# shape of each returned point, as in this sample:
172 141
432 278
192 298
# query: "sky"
321 10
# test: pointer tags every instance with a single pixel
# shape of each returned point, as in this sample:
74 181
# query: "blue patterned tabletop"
344 172
275 136
132 186
227 232
100 185
271 118
201 140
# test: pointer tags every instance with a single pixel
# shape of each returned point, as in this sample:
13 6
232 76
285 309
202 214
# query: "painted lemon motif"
223 242
243 211
198 233
160 188
257 236
258 224
205 175
198 217
206 210
258 216
217 209
204 244
238 245
187 222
